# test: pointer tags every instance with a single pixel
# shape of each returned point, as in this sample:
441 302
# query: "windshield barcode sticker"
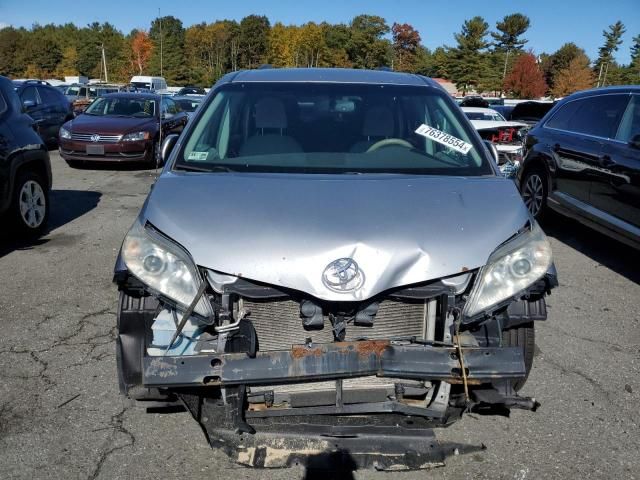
200 156
444 138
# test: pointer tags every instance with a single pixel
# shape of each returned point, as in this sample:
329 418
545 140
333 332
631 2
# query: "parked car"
583 161
508 137
46 105
191 91
121 127
81 96
25 171
474 101
188 104
330 260
530 112
504 110
147 83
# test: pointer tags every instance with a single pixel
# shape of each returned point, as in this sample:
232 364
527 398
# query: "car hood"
285 229
107 124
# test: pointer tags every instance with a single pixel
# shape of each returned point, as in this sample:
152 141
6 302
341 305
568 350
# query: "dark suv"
583 161
47 105
25 172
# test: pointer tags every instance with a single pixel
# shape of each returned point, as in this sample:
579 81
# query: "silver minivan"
330 266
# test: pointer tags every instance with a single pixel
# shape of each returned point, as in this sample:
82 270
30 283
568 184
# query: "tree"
510 29
525 79
69 63
141 47
406 41
167 54
577 76
337 37
12 41
254 40
467 62
367 48
560 60
612 40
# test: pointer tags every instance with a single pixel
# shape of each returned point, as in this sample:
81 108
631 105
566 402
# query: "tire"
30 204
534 190
521 336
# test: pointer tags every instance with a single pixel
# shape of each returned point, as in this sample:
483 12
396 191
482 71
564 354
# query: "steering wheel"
387 142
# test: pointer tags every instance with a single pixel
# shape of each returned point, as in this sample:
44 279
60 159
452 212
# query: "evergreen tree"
612 40
467 62
167 55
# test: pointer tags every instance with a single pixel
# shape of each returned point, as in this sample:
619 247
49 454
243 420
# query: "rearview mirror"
167 147
635 141
492 149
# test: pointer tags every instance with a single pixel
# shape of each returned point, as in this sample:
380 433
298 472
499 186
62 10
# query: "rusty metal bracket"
334 361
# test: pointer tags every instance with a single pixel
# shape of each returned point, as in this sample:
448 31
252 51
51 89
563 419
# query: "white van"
149 83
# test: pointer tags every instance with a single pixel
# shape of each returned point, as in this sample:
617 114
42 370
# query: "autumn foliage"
577 76
526 79
141 47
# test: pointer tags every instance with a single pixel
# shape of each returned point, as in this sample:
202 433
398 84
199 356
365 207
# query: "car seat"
270 124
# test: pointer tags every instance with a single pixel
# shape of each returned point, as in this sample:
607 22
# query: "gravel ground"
61 415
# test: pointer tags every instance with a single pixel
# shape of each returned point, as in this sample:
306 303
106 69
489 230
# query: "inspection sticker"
444 138
198 156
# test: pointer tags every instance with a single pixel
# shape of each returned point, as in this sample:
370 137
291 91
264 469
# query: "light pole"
160 18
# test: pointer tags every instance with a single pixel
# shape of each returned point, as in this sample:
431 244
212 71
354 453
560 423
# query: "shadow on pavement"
608 252
66 206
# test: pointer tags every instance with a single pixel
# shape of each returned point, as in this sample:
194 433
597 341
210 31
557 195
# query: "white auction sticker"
200 156
444 138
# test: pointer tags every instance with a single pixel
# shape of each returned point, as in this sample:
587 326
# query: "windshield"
332 128
187 104
73 91
125 107
494 116
141 85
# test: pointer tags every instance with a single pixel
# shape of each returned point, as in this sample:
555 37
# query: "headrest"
378 122
270 114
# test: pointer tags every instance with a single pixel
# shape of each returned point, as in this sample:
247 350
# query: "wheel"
534 191
521 336
30 205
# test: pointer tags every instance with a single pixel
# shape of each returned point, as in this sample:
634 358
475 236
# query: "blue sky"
554 22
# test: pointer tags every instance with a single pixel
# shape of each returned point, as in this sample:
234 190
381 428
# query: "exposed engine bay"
270 360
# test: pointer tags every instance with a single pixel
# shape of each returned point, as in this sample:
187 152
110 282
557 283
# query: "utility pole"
160 17
104 62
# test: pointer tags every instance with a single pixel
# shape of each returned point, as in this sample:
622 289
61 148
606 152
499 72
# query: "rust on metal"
300 351
371 347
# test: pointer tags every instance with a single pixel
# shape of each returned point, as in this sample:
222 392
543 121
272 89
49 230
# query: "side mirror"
635 141
28 105
167 146
492 149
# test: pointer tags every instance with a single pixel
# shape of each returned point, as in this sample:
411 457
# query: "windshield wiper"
211 168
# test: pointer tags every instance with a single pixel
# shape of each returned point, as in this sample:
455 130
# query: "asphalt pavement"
61 415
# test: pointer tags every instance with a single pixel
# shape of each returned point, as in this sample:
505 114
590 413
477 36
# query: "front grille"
88 137
278 324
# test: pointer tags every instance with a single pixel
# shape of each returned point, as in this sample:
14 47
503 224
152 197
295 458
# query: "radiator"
278 324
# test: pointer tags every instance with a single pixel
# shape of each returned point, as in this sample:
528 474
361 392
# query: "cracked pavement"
61 415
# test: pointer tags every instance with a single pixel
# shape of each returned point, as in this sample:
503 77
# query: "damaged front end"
277 377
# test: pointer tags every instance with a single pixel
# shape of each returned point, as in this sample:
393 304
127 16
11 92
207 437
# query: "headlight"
64 133
509 270
164 266
135 136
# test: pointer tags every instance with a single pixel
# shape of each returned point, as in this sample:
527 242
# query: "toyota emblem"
95 137
343 275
